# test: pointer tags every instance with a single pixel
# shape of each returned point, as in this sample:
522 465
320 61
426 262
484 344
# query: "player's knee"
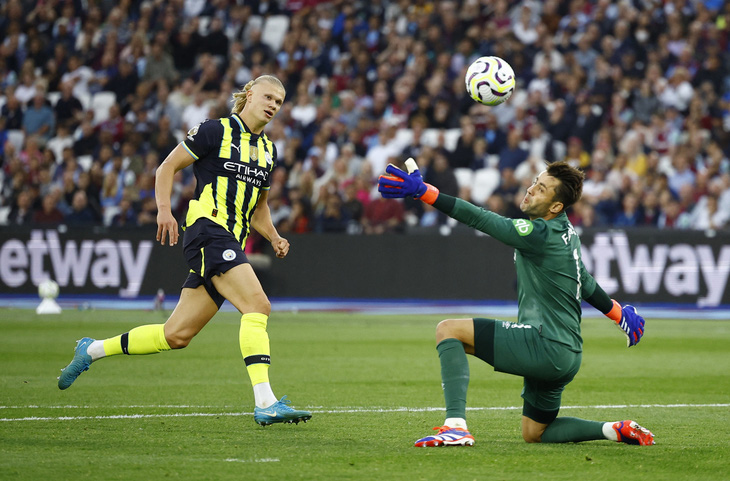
178 339
531 437
532 433
256 302
445 330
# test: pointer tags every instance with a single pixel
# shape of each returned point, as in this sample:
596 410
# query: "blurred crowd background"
95 94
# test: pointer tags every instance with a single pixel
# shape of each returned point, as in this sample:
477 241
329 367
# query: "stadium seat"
109 213
404 136
4 213
100 104
273 31
485 182
57 144
464 176
85 99
17 138
53 97
203 25
2 101
451 139
85 161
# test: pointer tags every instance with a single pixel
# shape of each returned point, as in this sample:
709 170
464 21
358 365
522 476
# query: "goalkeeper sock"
456 423
149 339
609 432
254 341
572 430
454 376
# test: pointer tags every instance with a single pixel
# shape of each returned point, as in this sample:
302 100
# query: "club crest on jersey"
254 155
193 132
229 255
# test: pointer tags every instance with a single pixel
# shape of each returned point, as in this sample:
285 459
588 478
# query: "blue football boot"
280 412
78 364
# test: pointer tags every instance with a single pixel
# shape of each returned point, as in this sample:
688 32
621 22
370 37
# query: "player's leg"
572 430
242 288
454 339
193 311
541 424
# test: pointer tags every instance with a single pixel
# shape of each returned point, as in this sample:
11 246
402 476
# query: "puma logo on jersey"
237 147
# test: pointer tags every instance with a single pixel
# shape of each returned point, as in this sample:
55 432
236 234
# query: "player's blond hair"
239 98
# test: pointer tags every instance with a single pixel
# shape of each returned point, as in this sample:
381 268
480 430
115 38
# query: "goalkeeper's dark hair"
571 182
239 98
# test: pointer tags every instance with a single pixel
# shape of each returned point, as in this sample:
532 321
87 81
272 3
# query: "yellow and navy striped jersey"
232 167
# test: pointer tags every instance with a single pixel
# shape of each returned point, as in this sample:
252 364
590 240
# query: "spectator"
12 112
196 112
185 44
21 212
79 75
382 215
512 155
159 65
49 213
81 213
126 216
124 82
630 214
333 216
38 119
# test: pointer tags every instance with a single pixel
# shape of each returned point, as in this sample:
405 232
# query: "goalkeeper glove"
400 184
629 321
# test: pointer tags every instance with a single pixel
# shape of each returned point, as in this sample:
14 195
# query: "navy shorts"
210 250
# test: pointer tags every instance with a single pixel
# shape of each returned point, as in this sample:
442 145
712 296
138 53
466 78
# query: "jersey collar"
243 126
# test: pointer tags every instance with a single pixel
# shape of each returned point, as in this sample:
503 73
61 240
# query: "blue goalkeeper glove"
629 321
401 184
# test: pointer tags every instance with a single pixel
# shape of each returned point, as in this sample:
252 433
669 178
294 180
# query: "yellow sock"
148 339
254 342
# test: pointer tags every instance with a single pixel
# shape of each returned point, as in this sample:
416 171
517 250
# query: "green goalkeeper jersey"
551 277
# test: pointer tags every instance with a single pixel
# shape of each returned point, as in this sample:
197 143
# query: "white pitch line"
344 410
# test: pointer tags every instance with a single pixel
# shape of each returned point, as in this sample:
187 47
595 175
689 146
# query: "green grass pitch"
373 383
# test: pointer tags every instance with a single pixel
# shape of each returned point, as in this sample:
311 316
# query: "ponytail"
240 97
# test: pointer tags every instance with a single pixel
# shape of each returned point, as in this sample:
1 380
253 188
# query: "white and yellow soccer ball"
490 80
48 289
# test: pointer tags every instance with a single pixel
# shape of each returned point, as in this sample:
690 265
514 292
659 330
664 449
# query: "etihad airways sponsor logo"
249 173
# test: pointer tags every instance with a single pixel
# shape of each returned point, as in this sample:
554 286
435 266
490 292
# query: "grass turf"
370 381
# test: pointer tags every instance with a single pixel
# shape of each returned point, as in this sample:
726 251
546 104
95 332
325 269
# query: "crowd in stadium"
95 94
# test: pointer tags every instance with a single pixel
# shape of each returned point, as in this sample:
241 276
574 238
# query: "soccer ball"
48 289
490 80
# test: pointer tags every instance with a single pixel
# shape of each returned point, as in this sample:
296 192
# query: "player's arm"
176 160
261 221
626 317
518 233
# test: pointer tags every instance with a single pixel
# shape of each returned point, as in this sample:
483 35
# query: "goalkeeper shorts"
546 366
210 250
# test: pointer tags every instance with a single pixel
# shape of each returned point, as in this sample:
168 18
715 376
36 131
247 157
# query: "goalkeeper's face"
539 200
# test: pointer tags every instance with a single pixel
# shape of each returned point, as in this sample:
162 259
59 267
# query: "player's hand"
281 247
167 227
630 322
401 184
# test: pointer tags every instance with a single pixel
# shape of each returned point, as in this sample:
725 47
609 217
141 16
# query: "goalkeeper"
544 346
